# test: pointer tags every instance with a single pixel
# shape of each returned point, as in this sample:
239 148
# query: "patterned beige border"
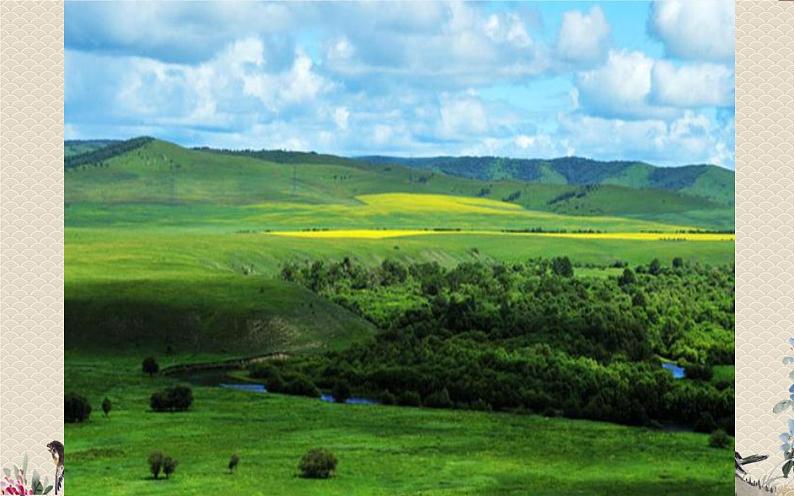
31 231
764 220
31 208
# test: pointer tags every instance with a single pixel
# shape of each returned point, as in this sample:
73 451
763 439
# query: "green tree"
106 406
562 266
155 463
150 366
318 463
233 461
341 391
169 466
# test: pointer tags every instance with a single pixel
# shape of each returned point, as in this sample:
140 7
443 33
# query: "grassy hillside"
163 173
706 181
381 449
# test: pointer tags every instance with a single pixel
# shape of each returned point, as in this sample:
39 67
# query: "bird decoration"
56 450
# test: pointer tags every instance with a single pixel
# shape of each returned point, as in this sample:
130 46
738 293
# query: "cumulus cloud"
411 78
693 85
583 38
618 88
462 116
695 30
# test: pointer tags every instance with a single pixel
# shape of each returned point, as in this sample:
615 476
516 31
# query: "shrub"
387 398
158 401
150 366
655 267
678 262
409 398
155 463
719 439
562 266
705 423
76 408
301 386
106 406
262 371
341 391
275 383
177 398
180 397
169 466
698 372
438 399
317 463
233 461
627 278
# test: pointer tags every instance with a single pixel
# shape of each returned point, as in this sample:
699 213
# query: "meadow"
177 253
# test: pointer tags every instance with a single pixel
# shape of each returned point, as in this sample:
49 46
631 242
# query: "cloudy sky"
606 80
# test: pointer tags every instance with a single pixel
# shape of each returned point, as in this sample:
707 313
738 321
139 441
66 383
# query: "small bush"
169 466
155 463
438 399
76 408
233 461
275 383
409 398
106 406
317 463
698 372
341 391
262 371
301 386
387 398
719 439
175 399
150 366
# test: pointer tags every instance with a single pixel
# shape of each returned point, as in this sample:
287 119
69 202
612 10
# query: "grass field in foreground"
381 450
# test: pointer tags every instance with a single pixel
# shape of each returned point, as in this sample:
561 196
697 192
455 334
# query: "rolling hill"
153 171
707 181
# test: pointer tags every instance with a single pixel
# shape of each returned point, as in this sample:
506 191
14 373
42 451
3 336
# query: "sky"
650 81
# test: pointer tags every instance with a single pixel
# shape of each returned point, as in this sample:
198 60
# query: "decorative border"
764 222
31 232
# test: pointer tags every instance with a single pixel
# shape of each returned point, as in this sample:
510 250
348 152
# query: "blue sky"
606 80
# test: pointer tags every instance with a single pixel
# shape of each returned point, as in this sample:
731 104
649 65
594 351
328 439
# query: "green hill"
144 170
707 181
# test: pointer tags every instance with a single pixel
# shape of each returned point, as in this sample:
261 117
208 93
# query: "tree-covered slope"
706 181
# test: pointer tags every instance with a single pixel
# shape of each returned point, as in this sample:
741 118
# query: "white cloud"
695 30
620 87
689 139
693 85
341 116
297 86
583 38
462 116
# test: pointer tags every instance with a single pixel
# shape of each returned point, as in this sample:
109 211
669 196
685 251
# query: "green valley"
341 266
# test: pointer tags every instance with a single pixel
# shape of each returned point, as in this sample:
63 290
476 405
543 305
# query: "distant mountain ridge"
706 181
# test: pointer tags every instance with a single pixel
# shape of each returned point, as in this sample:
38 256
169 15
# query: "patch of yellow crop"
645 236
395 233
410 202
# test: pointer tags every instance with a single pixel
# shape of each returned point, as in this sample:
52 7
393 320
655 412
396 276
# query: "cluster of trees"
159 462
532 337
172 399
98 156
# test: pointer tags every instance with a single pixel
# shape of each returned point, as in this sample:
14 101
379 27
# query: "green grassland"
382 449
169 250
